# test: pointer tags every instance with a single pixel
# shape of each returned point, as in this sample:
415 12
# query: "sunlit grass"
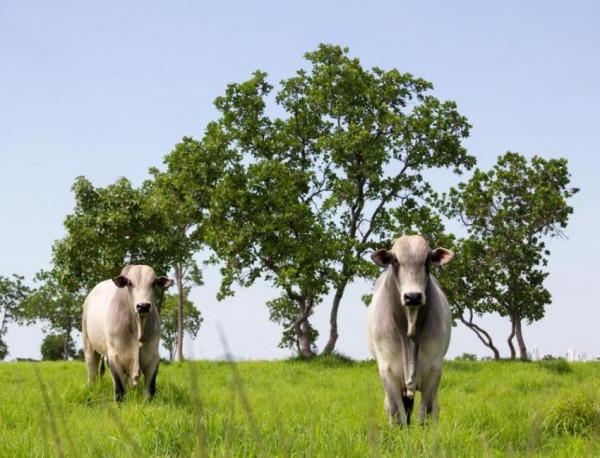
330 407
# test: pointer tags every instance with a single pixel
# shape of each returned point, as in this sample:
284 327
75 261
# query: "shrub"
573 414
557 366
52 348
467 357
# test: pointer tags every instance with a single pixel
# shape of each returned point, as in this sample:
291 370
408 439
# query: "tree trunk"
301 328
513 353
66 348
180 300
485 338
304 340
520 341
333 327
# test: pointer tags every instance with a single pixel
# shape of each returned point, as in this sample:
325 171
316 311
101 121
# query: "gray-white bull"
408 326
120 321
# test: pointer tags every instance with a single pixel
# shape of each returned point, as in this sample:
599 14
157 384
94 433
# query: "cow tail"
102 368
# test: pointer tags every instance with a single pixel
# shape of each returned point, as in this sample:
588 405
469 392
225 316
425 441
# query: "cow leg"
408 407
429 403
394 405
428 408
117 377
103 366
150 373
92 361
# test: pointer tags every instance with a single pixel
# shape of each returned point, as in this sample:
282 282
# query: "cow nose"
143 307
413 298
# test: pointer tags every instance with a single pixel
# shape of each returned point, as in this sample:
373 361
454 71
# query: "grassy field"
327 408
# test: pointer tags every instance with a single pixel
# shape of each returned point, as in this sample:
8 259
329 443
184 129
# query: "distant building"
571 356
535 354
575 356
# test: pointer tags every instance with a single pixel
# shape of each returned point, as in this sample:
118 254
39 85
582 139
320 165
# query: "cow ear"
121 281
163 282
382 257
441 256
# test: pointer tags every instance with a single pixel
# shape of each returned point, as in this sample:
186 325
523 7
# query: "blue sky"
107 89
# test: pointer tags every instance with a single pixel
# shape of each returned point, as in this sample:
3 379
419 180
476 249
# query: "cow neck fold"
142 320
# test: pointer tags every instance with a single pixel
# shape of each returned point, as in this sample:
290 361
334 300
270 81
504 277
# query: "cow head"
410 257
141 280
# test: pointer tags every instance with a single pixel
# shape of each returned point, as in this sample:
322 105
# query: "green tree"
170 321
465 282
13 295
283 310
182 194
109 228
509 213
57 347
306 196
58 308
156 224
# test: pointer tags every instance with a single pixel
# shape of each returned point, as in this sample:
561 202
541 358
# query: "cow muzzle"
412 299
143 308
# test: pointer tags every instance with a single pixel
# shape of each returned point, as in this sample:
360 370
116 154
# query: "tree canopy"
306 195
109 228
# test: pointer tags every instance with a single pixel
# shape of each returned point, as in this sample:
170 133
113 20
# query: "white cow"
120 321
408 327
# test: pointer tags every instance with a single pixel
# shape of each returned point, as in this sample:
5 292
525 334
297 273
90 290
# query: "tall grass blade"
122 428
51 420
237 380
198 411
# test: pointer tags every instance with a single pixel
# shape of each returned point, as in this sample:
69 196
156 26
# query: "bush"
573 414
467 357
556 366
334 359
52 348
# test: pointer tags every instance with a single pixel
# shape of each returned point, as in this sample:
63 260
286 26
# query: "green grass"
330 407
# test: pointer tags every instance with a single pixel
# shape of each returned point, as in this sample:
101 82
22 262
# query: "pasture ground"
326 408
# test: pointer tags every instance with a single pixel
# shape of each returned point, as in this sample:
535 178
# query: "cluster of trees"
301 199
